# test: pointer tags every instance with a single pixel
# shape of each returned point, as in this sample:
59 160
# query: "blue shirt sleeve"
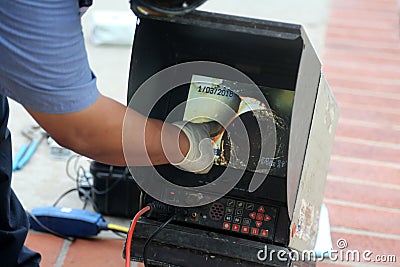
43 60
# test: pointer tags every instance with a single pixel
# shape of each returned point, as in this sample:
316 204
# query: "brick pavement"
362 65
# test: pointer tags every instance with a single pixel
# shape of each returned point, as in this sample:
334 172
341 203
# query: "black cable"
67 166
110 172
79 170
85 192
103 192
89 199
63 195
120 234
84 183
85 187
152 236
48 229
85 197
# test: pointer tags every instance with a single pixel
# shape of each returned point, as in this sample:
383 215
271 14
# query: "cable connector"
158 209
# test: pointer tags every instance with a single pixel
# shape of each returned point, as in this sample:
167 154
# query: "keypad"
235 216
246 221
228 218
249 218
230 203
249 206
229 210
237 220
239 212
236 227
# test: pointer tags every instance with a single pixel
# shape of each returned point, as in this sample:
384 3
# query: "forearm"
97 131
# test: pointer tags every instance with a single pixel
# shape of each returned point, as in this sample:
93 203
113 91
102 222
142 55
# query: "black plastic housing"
115 193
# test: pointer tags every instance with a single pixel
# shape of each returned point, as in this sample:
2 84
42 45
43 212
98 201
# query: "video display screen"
265 116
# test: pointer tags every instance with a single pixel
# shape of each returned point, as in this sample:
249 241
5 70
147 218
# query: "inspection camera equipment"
277 205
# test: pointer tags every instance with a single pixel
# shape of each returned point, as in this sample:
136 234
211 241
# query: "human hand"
200 157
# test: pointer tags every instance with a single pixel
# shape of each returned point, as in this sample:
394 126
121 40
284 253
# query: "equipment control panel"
230 215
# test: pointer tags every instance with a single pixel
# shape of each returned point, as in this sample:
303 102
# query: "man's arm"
44 67
96 132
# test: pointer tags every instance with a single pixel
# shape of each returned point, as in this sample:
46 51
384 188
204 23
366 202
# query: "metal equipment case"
273 55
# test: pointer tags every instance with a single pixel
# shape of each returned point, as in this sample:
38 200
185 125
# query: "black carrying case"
114 191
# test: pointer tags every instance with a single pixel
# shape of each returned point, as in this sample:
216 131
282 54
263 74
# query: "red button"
258 224
245 229
267 218
252 215
260 217
254 231
261 209
226 226
264 233
236 227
